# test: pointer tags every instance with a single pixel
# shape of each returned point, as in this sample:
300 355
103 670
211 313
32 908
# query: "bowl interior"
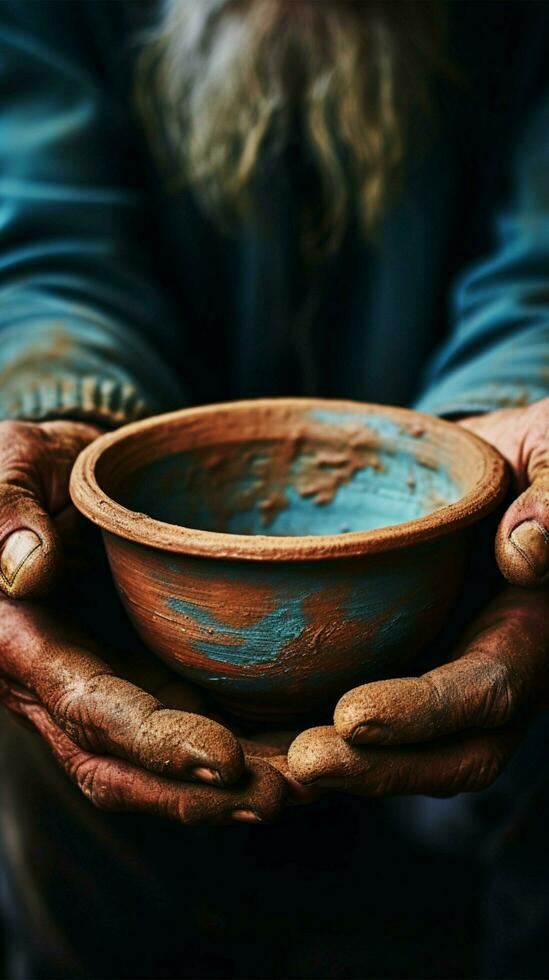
290 470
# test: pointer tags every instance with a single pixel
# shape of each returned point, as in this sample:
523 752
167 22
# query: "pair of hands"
152 744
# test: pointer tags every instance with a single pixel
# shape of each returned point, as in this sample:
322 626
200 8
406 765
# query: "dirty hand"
147 748
522 436
449 731
126 747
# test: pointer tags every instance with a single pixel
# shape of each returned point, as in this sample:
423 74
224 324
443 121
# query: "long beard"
222 82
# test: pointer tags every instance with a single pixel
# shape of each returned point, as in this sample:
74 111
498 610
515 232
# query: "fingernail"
16 551
532 542
206 775
246 816
369 733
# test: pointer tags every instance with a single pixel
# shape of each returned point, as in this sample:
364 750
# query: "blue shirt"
119 297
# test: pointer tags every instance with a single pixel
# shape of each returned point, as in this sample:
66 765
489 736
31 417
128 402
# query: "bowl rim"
112 517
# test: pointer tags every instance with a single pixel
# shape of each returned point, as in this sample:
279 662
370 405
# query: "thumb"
30 550
35 464
522 541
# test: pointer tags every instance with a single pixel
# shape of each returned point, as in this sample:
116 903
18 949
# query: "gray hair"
219 79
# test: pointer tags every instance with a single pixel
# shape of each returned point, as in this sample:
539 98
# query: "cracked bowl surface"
280 551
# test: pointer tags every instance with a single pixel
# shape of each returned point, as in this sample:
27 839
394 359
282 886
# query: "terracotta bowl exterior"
279 552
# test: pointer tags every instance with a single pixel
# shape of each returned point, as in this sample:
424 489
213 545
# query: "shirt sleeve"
497 354
84 329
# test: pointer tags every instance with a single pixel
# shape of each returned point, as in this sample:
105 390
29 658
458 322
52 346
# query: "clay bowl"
280 551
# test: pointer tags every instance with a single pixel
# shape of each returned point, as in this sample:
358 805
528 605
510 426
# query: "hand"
36 513
123 746
149 749
522 436
454 729
451 730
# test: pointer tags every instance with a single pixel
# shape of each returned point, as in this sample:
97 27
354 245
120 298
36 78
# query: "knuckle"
10 430
498 695
20 446
486 773
389 777
433 688
66 706
62 707
494 690
178 806
176 810
94 784
185 814
383 786
477 773
69 712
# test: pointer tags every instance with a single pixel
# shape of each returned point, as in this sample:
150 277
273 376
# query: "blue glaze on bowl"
217 489
294 594
276 640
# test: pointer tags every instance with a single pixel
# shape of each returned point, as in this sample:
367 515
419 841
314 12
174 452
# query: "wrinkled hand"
522 436
148 748
449 731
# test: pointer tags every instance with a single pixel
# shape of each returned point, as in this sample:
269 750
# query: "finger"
522 540
466 764
35 463
502 664
104 713
522 436
111 784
